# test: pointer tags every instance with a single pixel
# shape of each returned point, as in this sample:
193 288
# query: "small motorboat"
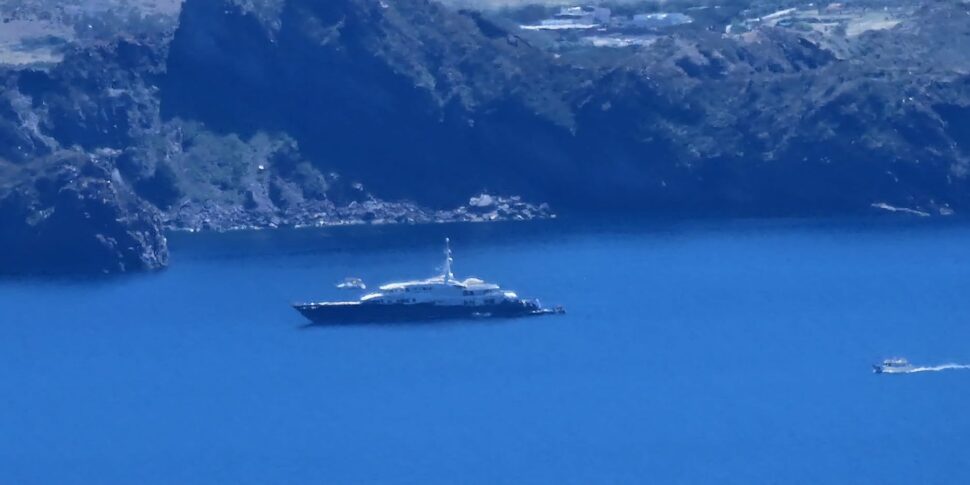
352 283
892 366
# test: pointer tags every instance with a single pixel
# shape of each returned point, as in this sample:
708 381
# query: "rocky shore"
481 208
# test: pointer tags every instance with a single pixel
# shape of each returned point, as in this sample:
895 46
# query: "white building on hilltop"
577 17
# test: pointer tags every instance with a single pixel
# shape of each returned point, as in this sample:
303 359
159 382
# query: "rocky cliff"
231 114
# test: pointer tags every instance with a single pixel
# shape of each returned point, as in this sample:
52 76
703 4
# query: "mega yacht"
440 297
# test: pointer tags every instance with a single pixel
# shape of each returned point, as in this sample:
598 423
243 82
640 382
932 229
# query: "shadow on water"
370 238
361 239
78 278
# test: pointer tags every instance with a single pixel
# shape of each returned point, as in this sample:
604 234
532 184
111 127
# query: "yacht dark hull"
356 312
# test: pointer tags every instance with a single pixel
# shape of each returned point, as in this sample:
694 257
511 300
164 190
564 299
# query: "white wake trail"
935 368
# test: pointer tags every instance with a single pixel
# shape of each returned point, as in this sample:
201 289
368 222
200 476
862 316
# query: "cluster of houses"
826 19
602 19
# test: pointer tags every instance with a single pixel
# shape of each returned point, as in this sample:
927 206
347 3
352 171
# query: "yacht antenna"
447 274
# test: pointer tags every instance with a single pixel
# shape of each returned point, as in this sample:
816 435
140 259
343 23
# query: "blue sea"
701 352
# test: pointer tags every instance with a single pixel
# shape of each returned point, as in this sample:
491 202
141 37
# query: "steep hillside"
396 93
245 114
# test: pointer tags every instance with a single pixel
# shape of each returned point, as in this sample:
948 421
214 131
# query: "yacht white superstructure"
443 289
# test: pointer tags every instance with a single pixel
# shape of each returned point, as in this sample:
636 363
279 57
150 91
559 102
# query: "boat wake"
899 365
935 368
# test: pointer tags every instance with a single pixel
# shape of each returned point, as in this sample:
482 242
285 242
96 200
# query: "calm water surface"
692 353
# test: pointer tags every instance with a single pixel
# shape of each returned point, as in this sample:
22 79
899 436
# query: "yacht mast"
447 274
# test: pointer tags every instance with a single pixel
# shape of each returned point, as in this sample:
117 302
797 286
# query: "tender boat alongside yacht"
352 283
436 298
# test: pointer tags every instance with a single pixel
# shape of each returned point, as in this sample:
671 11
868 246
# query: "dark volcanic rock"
209 216
268 113
397 94
66 207
79 217
392 95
